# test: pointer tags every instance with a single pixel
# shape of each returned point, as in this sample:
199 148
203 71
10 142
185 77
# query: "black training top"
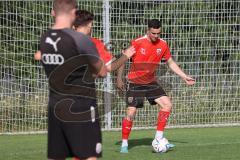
69 59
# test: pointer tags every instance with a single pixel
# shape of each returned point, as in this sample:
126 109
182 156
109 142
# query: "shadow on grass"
145 142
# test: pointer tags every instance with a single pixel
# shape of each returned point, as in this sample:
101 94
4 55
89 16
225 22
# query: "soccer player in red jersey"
150 50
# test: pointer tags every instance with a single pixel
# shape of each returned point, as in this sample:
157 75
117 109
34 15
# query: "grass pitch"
191 144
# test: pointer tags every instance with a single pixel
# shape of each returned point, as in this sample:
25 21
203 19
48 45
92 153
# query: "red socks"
126 128
162 120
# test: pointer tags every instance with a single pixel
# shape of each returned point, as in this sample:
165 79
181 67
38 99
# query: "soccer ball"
160 145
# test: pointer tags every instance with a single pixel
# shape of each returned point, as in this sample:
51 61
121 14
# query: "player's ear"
148 30
73 12
53 13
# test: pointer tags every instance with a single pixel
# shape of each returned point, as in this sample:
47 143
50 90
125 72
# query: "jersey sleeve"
135 45
104 54
167 54
88 48
107 58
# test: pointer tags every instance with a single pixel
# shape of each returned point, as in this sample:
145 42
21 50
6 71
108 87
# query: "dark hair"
64 6
83 17
154 23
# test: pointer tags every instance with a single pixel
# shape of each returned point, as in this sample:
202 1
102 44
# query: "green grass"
191 144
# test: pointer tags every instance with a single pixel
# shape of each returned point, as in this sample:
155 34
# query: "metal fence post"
107 80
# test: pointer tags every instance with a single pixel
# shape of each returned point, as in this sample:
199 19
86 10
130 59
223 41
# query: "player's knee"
165 103
130 117
167 107
131 112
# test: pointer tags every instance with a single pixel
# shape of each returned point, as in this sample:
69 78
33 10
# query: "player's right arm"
111 63
120 83
128 53
120 72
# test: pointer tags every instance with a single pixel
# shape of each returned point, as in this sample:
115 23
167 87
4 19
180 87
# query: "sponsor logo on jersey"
143 51
53 43
159 51
54 59
130 99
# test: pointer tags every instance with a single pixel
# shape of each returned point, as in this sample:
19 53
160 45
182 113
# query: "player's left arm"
176 69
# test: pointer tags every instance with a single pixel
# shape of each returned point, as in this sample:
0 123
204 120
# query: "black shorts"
137 92
73 137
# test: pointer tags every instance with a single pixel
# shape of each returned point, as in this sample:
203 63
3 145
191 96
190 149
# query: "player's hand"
38 56
129 52
120 84
189 80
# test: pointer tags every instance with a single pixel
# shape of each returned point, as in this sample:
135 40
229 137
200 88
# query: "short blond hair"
64 6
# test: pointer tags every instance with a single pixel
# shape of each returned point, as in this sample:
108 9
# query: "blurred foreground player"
73 126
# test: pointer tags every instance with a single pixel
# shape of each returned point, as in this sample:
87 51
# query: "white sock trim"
159 134
124 142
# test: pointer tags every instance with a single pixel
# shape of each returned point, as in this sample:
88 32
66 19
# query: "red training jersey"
146 59
102 50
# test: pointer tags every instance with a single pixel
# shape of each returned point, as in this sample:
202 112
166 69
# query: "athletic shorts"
70 135
137 92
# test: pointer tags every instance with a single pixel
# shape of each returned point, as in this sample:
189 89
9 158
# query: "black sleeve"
87 48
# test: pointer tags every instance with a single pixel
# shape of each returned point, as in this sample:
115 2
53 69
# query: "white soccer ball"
160 145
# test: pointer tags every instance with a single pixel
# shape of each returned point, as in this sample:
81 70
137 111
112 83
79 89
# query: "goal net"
203 37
